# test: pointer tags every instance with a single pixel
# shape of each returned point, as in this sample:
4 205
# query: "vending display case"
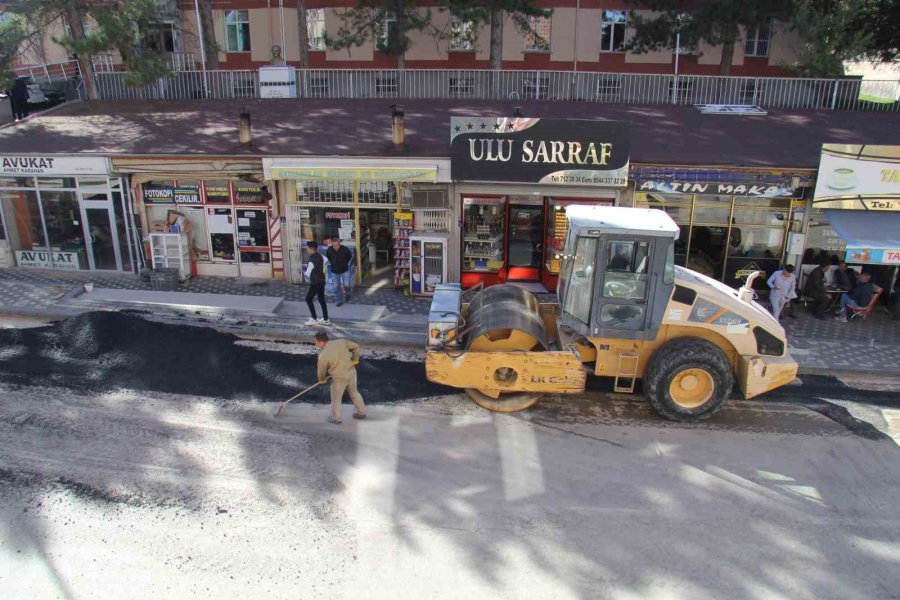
483 234
403 227
428 261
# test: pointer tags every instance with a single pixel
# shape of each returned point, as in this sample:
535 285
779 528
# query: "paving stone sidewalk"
871 346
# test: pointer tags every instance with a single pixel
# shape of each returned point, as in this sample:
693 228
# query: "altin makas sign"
573 151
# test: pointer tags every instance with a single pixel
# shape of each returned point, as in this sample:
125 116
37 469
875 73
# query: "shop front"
514 179
858 192
733 222
64 213
226 213
365 203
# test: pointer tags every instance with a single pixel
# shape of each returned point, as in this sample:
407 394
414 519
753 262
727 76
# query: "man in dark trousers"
860 297
339 258
315 275
815 289
18 98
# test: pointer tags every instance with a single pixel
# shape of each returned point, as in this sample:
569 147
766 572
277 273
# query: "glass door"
434 265
525 247
103 251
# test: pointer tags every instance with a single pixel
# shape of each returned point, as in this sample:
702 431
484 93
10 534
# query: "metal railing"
65 76
623 88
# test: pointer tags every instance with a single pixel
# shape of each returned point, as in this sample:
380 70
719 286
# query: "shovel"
286 402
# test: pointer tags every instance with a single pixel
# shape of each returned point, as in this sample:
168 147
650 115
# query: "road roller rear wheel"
505 402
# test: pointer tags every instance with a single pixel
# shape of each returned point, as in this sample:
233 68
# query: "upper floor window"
315 28
462 34
758 40
237 31
390 31
612 30
538 37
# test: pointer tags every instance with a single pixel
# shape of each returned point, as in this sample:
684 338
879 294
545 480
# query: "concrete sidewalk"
820 347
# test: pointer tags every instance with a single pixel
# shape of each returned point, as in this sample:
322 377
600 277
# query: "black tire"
677 356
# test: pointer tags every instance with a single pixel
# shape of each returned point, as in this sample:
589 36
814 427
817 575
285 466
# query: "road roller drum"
505 317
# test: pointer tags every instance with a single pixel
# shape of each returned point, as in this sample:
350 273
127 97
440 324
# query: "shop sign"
719 188
859 177
344 214
555 151
187 194
874 256
250 193
420 174
155 193
217 193
66 261
53 165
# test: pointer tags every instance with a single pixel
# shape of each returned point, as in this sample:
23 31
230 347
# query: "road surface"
117 492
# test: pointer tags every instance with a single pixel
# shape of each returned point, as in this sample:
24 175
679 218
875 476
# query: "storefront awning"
426 173
873 237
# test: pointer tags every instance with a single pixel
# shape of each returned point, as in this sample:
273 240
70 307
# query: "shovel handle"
289 400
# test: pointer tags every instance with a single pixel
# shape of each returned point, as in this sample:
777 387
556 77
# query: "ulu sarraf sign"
554 151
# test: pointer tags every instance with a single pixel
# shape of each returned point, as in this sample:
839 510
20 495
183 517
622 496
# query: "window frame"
318 20
754 41
604 22
237 24
388 19
531 38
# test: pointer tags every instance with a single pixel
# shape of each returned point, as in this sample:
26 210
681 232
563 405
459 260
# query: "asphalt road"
139 493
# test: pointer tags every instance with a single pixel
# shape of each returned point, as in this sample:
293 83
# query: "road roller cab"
625 311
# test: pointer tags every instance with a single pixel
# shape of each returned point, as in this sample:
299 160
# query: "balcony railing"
65 77
622 88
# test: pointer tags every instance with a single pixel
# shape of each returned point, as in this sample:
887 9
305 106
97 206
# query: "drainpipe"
575 53
283 49
202 50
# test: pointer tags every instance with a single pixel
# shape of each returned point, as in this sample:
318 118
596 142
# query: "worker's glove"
323 381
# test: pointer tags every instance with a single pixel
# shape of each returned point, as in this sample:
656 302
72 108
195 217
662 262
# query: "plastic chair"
866 311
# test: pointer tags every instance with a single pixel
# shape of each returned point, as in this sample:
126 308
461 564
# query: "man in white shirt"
784 289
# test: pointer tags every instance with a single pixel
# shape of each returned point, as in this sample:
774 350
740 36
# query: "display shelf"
171 251
402 232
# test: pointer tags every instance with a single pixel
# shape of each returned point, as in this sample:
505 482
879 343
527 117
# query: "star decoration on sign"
469 126
511 126
457 128
496 126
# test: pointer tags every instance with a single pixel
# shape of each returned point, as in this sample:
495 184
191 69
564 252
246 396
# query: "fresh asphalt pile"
106 351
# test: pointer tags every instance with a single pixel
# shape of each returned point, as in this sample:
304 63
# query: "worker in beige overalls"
338 360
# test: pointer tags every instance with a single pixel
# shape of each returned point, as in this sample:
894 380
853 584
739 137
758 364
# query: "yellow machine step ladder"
627 369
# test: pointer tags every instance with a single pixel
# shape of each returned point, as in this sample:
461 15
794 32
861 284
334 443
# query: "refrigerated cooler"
428 263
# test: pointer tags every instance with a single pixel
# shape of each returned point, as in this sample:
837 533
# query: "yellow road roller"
624 311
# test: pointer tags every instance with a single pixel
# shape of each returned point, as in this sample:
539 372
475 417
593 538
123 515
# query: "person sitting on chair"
815 289
859 297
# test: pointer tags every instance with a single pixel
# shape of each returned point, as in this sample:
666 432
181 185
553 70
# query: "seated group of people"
858 290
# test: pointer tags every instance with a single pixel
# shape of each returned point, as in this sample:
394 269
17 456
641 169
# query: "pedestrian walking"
338 359
339 258
315 275
783 284
859 297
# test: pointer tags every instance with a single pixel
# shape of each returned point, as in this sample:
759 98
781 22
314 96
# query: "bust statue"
276 56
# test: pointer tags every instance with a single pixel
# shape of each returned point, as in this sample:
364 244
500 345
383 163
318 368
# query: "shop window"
126 247
17 182
462 35
537 38
822 241
483 234
217 192
237 31
65 230
87 182
221 234
612 30
24 227
714 210
315 28
758 40
253 234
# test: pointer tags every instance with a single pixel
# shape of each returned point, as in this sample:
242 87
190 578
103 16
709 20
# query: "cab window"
626 269
580 286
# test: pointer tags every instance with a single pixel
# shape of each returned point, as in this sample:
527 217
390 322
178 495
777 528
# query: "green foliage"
386 22
479 12
829 36
13 32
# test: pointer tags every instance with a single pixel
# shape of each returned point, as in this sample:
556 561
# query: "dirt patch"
106 351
